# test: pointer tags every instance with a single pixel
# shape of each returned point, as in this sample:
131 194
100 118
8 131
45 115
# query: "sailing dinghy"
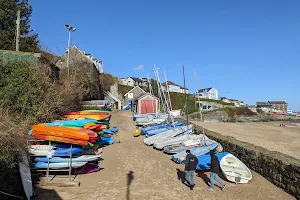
235 170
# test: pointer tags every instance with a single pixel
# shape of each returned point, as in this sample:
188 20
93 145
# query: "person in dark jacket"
214 170
190 167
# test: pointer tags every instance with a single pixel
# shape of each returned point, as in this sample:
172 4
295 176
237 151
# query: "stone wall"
280 169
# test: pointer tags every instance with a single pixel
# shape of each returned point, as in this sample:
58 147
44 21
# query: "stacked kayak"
43 165
83 158
44 150
88 115
76 141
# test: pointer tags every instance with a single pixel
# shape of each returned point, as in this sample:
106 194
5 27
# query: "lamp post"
71 29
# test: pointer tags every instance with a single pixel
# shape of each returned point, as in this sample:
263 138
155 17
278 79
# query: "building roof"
133 89
172 83
277 102
136 79
205 89
262 103
143 95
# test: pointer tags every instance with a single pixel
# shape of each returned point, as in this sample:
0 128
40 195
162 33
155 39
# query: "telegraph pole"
18 30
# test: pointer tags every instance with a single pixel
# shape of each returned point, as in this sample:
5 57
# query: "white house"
209 93
132 81
174 87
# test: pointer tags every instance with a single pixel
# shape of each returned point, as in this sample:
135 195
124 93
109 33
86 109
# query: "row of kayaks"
176 138
75 141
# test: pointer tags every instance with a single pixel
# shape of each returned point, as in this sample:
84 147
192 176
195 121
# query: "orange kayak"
90 126
92 135
59 139
60 131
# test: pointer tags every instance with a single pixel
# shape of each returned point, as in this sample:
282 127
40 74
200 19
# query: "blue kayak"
204 159
105 141
197 151
84 158
72 123
115 129
66 151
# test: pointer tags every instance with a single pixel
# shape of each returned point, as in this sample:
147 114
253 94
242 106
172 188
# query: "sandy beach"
134 171
268 135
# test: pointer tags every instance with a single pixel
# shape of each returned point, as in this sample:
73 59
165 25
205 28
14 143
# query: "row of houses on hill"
143 82
272 106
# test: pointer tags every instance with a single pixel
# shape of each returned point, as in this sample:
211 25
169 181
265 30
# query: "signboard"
130 95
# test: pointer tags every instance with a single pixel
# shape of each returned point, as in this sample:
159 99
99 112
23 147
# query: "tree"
8 16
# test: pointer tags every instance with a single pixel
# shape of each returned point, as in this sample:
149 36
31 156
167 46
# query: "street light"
71 29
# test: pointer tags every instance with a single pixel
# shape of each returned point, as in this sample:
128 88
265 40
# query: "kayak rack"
50 156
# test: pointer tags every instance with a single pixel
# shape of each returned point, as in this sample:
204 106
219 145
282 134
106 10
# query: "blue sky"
248 50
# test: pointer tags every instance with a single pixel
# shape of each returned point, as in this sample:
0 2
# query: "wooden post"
18 30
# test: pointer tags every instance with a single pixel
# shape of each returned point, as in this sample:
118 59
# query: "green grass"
178 102
123 89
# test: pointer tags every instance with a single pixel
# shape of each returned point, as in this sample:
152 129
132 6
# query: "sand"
268 135
132 170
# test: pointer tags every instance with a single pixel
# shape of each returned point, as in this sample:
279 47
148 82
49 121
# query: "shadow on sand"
181 177
204 177
44 194
130 177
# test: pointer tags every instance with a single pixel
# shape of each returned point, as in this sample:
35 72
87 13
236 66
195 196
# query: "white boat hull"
168 134
235 170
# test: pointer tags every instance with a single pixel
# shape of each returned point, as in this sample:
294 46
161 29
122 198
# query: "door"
148 106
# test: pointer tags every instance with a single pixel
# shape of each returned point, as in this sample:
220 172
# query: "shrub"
106 80
28 92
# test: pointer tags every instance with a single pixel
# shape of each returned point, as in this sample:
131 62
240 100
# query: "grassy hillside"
178 102
123 89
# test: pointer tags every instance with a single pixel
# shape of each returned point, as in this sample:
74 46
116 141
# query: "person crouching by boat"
214 170
190 167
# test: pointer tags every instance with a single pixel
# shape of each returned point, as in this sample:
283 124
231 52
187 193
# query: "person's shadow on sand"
181 176
204 177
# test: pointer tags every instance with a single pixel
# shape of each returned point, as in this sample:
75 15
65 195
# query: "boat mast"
186 97
151 91
199 102
167 86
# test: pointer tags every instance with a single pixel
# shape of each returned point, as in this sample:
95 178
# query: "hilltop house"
209 93
272 106
132 81
237 103
174 87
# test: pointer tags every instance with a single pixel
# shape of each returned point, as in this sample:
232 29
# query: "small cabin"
145 103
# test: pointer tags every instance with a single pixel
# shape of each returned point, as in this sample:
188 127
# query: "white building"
209 93
132 81
174 87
